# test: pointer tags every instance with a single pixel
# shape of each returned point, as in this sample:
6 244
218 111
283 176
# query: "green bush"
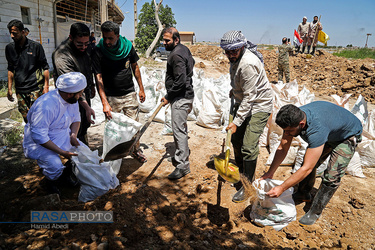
357 53
13 136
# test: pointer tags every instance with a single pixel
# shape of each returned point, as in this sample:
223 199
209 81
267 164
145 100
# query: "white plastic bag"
96 178
275 212
354 167
118 130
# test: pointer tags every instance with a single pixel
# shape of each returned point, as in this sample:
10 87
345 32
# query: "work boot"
303 193
249 171
308 49
303 49
51 187
67 177
321 200
313 51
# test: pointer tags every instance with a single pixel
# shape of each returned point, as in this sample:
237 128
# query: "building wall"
186 39
10 10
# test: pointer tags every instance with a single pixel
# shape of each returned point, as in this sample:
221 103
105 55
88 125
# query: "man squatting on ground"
252 95
114 63
314 28
302 30
329 130
71 56
27 66
53 123
180 94
283 59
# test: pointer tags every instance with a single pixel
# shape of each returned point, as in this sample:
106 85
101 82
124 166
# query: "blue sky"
346 22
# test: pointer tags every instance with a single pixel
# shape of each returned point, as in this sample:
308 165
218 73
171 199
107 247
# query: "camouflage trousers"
26 100
340 155
283 69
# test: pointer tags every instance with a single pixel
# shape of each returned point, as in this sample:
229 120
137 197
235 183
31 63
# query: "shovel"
126 148
227 170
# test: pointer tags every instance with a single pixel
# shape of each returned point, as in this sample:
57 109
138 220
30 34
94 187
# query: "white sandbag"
274 142
96 178
275 212
167 129
97 106
211 113
354 167
366 151
360 109
119 129
342 101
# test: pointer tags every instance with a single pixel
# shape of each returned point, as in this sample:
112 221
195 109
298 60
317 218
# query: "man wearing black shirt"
114 63
27 67
71 56
180 93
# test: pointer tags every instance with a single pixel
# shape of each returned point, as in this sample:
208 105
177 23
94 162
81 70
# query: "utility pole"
367 40
135 18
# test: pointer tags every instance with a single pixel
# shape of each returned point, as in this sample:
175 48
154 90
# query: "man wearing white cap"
303 29
53 124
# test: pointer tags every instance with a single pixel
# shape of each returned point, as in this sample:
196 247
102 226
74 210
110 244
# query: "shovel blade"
120 151
233 173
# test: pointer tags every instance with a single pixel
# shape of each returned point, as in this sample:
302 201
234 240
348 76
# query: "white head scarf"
71 82
235 39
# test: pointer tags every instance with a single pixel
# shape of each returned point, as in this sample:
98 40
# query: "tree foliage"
147 26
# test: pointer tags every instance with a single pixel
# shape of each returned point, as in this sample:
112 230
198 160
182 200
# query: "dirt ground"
195 212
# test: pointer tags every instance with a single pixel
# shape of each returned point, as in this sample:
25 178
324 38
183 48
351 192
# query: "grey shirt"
250 87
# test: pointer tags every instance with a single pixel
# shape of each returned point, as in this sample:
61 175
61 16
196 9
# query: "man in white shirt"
252 96
53 124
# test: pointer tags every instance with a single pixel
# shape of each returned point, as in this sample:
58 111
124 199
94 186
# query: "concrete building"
187 37
49 21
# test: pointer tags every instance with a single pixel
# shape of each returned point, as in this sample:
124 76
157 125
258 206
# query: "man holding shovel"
180 94
314 28
114 62
252 107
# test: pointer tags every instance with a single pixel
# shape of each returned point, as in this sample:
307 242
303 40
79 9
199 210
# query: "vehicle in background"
162 52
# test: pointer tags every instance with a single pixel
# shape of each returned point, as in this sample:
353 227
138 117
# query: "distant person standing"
303 30
27 67
92 40
283 60
114 62
180 94
314 29
71 56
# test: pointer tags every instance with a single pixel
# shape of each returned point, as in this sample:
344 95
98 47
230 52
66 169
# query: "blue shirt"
328 122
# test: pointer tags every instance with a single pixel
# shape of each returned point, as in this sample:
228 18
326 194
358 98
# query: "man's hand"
275 192
142 96
233 127
165 101
267 175
90 112
107 111
45 89
10 95
68 155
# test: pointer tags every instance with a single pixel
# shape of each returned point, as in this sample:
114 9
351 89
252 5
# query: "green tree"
147 26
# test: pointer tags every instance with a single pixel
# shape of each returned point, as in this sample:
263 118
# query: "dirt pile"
324 74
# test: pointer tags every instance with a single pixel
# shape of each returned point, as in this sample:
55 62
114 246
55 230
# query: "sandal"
139 156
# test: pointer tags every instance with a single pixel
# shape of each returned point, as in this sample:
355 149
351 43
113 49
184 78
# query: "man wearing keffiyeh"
252 102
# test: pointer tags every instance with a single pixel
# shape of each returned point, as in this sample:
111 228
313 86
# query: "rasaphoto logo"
71 217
